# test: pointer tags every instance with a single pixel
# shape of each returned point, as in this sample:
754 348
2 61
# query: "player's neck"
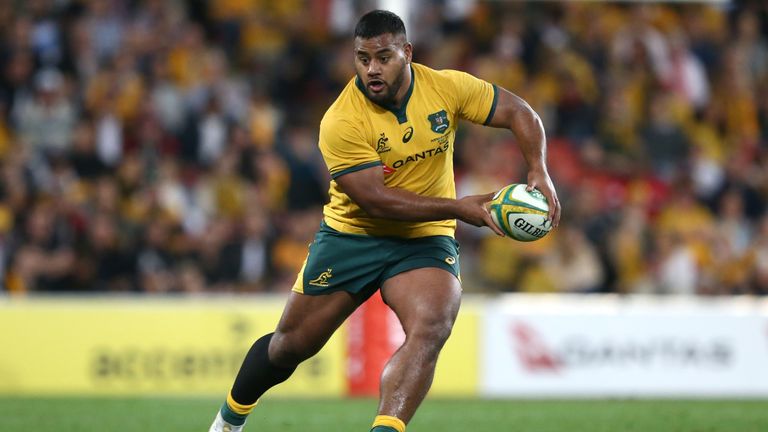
404 88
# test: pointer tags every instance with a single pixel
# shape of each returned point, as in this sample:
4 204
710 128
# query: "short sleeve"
344 147
475 98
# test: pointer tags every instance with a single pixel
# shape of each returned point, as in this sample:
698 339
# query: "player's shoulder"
346 115
346 109
437 77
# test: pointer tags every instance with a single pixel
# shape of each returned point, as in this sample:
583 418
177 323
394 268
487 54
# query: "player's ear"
408 51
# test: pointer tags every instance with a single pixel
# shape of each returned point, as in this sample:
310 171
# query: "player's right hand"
473 210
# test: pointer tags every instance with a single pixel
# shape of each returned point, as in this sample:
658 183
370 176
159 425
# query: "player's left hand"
539 179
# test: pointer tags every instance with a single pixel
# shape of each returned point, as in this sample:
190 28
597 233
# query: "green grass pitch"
355 415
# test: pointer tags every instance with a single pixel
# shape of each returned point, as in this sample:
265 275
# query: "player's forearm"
400 204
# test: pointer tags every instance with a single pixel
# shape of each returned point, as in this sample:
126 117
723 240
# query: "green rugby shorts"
359 263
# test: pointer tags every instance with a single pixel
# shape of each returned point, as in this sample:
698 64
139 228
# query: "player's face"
381 63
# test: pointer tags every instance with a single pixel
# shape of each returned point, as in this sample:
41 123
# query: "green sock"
232 417
383 429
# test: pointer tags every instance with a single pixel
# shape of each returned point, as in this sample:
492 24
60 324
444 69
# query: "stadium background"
160 183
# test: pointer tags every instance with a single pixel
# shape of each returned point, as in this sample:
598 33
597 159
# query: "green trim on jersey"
355 168
493 105
400 113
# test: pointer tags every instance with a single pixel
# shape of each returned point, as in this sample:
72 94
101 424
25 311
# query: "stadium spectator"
573 264
42 256
44 122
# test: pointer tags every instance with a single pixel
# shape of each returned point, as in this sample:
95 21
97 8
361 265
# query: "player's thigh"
340 272
426 300
422 283
308 321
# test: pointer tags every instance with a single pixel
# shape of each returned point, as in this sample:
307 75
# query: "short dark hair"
378 22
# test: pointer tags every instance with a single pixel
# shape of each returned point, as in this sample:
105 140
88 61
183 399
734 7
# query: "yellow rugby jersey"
413 145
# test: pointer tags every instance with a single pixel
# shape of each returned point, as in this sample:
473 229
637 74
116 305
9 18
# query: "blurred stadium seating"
170 146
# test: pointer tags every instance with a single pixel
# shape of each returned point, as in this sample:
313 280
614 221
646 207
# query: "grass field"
189 415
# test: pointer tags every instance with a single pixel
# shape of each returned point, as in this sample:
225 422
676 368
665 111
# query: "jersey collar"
398 112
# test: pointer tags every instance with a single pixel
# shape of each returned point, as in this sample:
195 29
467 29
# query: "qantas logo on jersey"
439 121
387 170
442 148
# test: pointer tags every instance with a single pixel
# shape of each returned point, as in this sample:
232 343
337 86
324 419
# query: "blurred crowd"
171 146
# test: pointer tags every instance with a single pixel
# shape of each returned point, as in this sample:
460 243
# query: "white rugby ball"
522 215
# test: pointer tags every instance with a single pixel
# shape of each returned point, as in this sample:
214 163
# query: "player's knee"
432 332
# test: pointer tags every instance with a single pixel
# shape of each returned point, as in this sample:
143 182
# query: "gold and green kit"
414 147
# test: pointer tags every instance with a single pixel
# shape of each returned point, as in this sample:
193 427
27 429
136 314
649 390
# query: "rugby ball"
522 215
